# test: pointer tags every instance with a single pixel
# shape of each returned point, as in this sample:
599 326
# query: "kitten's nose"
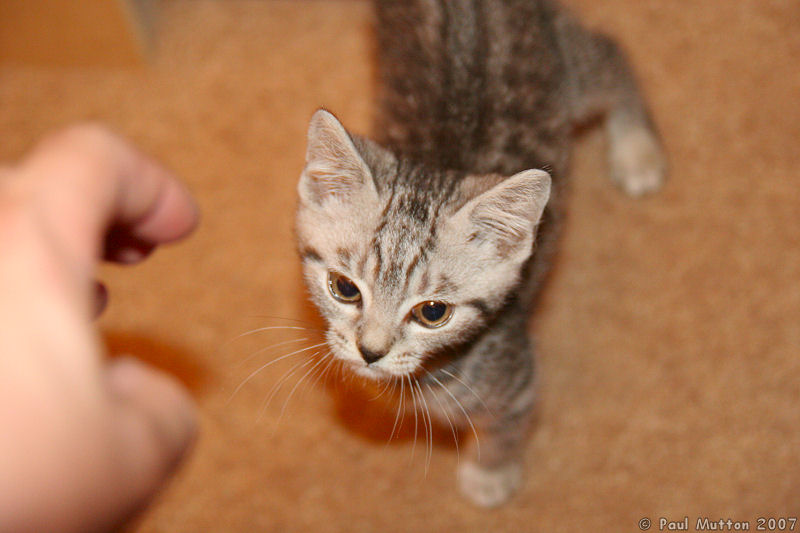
368 355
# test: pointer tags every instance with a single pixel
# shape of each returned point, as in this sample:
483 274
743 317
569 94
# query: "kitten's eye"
343 289
432 314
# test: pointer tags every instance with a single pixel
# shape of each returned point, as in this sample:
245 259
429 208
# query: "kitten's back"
474 85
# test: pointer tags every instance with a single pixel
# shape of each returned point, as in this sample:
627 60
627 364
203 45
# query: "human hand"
84 442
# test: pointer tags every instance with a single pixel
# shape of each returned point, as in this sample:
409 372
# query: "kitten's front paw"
489 487
637 162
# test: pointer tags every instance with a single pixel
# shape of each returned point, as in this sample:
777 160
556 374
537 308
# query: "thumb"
155 422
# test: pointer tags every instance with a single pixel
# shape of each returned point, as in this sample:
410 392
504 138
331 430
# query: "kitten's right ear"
334 168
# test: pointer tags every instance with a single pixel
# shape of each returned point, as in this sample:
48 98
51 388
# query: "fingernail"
129 255
100 298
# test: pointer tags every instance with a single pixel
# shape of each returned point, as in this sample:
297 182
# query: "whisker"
279 384
270 328
449 422
299 381
382 392
297 320
271 346
414 399
262 367
325 370
428 428
339 377
461 407
399 406
470 389
390 387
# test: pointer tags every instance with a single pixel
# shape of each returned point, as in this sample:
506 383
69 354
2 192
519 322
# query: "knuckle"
84 132
84 149
83 140
17 224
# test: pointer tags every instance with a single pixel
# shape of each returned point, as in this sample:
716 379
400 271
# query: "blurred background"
668 337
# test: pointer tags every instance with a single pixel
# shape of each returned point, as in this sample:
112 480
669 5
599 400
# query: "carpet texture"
668 335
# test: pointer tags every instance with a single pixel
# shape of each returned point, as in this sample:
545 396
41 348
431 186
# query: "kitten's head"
404 262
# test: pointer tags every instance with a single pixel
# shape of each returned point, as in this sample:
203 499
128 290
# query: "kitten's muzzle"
368 355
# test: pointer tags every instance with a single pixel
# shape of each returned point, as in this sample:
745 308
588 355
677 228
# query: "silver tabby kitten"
419 250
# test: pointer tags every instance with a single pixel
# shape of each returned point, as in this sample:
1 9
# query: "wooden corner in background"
76 33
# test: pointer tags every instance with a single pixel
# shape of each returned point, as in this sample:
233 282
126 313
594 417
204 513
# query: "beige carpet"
669 335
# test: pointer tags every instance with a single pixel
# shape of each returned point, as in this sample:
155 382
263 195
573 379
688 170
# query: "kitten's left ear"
504 218
334 168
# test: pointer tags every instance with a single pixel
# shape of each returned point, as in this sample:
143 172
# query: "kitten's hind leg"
600 82
636 156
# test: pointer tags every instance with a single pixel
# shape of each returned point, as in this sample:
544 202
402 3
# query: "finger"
100 298
89 180
122 247
156 424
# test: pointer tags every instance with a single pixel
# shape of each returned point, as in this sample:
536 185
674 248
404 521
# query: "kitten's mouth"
389 367
378 373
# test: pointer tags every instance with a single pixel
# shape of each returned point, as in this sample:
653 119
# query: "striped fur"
444 207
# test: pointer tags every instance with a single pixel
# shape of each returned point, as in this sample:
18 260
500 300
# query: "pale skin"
85 441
